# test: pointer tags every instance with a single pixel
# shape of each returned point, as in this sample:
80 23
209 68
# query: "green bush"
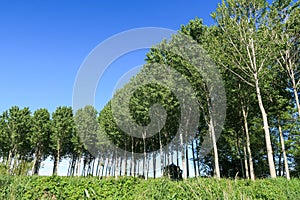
55 187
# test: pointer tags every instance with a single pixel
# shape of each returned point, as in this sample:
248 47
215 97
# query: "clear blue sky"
43 43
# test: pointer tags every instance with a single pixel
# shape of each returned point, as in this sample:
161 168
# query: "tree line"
256 48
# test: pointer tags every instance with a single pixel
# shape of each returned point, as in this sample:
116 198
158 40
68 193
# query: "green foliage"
55 187
62 132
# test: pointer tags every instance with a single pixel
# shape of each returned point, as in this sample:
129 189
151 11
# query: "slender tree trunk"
74 160
78 165
107 166
36 162
56 159
246 163
248 145
183 156
177 156
213 138
145 157
116 164
169 156
154 165
117 167
297 99
286 167
187 161
148 166
55 166
280 165
11 156
215 149
266 129
93 165
292 76
70 168
125 159
161 154
120 166
194 159
100 159
138 167
84 166
198 159
238 145
9 160
104 165
132 157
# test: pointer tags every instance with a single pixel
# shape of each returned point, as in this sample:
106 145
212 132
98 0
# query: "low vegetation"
55 187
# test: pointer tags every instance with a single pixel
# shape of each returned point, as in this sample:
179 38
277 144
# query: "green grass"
55 187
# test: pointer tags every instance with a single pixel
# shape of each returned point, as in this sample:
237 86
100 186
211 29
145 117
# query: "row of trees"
26 140
158 119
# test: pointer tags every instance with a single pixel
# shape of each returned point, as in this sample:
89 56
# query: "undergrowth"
55 187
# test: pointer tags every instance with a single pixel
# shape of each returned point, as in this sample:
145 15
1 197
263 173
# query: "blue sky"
43 43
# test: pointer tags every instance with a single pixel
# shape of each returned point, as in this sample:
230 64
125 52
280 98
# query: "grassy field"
55 187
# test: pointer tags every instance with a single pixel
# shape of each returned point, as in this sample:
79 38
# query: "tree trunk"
117 167
297 99
119 163
187 161
246 163
266 129
198 159
98 168
125 159
54 172
132 157
289 68
78 165
105 162
245 116
194 159
145 157
161 154
154 165
286 167
148 166
9 160
36 162
93 165
183 156
116 164
56 159
280 165
215 149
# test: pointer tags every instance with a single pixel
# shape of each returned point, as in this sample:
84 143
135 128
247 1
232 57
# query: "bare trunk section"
183 156
215 148
248 145
266 129
194 160
78 165
246 163
132 157
297 99
187 160
286 166
125 159
56 160
291 73
154 165
145 156
36 162
161 154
